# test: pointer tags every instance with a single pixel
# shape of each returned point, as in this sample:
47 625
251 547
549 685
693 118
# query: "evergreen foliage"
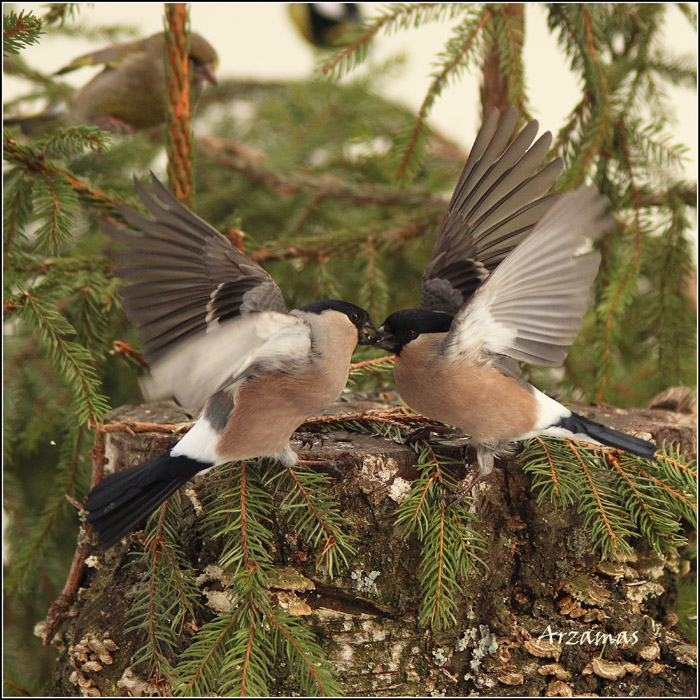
622 497
450 547
320 208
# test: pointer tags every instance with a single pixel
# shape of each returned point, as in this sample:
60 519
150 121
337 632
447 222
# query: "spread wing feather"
181 276
204 312
531 307
496 203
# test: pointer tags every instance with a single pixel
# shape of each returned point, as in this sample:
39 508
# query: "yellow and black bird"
324 24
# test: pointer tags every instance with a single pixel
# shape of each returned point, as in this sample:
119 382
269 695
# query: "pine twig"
555 479
367 36
599 502
429 98
177 73
36 163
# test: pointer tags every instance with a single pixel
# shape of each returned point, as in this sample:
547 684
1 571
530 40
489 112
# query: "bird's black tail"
121 501
607 436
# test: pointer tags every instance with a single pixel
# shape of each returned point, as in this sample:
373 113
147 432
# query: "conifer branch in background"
503 79
177 77
322 210
459 53
19 31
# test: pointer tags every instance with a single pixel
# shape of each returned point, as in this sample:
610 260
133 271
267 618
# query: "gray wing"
530 309
496 203
182 278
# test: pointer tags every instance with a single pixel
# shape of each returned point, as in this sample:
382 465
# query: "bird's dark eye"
412 334
354 317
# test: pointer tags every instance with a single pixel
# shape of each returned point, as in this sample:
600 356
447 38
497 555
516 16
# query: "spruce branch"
197 671
454 59
17 210
33 160
304 655
19 31
17 521
621 496
73 361
177 78
167 595
43 529
229 154
617 300
316 516
396 16
450 548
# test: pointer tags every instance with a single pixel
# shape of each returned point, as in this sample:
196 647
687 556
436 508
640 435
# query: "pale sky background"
258 41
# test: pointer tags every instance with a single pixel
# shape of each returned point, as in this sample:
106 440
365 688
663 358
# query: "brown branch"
399 415
244 518
551 464
177 73
132 427
246 660
59 609
678 465
688 195
18 688
119 347
356 366
35 163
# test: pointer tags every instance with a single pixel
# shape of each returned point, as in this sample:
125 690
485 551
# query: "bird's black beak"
366 333
384 340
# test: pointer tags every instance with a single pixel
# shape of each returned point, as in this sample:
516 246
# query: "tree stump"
547 617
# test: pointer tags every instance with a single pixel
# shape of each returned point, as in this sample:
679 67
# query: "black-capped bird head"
357 315
404 326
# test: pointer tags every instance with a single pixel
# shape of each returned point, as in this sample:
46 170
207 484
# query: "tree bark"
531 624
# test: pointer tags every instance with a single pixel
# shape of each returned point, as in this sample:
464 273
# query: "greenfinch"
130 92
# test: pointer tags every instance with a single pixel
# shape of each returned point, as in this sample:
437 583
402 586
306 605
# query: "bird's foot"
465 490
331 466
423 433
309 439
